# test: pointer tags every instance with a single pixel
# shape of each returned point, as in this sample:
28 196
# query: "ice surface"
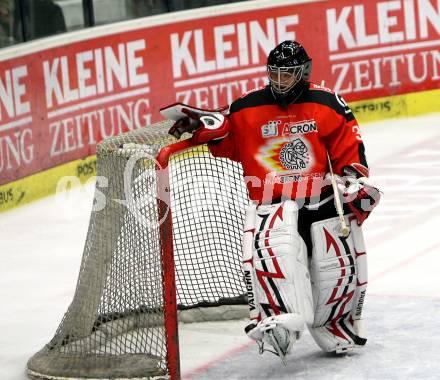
402 345
41 246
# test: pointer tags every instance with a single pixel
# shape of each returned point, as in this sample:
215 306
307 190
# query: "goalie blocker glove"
360 194
204 127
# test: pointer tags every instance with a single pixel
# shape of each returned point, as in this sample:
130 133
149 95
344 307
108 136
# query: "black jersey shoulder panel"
329 99
256 98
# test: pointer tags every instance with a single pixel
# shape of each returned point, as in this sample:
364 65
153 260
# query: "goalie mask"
288 67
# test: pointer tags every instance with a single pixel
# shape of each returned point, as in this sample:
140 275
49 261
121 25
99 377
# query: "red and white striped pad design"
275 263
339 281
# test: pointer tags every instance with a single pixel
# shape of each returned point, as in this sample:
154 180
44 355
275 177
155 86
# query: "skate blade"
344 350
277 347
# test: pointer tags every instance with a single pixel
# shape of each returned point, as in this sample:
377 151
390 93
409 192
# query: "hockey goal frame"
164 249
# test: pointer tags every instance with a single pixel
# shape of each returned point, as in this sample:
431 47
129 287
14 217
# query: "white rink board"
42 244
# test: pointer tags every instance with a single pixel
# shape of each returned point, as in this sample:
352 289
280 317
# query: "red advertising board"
56 104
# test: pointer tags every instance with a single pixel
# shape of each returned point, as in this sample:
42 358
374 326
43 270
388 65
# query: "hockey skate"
281 339
277 334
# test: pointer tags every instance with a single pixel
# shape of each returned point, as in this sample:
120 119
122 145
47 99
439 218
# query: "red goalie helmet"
288 67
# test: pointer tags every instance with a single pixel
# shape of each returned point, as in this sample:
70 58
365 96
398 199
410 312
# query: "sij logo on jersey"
270 129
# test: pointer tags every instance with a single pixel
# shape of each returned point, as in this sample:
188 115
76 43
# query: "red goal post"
166 230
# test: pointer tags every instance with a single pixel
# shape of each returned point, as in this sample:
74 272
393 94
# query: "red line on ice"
216 360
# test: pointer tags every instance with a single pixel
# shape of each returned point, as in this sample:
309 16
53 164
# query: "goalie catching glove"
204 125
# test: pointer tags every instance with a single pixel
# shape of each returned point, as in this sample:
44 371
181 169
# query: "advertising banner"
56 104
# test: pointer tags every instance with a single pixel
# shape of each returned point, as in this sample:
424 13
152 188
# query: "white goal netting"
114 327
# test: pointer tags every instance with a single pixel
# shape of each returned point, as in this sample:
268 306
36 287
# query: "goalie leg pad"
276 270
339 281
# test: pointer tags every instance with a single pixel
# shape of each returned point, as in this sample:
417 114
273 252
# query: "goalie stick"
345 230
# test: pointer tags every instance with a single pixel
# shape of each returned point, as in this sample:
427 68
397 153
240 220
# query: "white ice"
41 246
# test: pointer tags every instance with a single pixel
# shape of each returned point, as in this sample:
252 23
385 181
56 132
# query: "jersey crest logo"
294 155
282 156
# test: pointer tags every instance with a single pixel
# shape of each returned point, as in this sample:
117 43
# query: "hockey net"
116 324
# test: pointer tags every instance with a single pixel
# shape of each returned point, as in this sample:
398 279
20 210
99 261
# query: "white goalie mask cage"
283 79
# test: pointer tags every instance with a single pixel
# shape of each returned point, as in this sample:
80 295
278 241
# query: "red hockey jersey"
283 150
